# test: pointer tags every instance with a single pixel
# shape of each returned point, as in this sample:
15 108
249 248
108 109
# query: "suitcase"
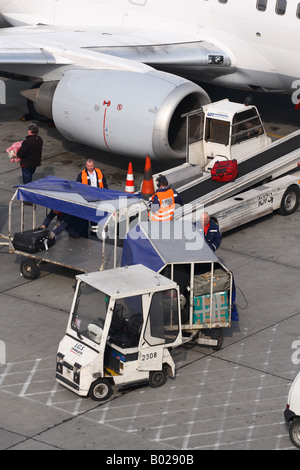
224 171
32 241
202 282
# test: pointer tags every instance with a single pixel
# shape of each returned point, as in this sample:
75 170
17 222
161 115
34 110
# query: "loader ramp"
280 157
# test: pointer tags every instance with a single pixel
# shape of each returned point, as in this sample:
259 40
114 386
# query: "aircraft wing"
123 93
52 47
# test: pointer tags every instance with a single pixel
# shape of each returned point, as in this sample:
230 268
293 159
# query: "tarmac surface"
231 399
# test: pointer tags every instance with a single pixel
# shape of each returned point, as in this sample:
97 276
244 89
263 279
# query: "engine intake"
123 112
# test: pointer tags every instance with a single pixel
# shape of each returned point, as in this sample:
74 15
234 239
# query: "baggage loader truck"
281 195
225 131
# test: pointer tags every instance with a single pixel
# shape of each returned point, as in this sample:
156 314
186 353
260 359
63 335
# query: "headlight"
76 370
59 362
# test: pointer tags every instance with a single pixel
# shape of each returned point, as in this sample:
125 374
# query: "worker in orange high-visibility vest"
92 176
162 203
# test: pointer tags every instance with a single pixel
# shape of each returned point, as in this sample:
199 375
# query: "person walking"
30 153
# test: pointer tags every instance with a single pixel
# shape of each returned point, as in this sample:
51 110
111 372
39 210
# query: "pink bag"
13 150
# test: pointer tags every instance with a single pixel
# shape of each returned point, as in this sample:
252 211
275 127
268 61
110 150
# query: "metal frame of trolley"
117 211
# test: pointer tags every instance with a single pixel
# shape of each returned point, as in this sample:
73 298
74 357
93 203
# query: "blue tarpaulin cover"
177 242
156 245
75 198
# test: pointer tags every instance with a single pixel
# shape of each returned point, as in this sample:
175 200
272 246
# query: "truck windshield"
90 313
246 125
217 131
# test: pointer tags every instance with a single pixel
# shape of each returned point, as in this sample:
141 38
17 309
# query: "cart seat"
117 321
130 337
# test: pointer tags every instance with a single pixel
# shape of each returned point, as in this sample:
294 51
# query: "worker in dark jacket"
212 233
163 202
74 226
30 153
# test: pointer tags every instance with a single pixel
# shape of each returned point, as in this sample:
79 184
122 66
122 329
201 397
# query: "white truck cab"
122 324
228 130
292 412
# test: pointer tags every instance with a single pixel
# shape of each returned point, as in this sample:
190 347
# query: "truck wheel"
100 390
29 269
157 378
290 201
294 431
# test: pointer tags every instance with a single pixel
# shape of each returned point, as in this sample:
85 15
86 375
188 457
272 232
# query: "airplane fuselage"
120 75
261 38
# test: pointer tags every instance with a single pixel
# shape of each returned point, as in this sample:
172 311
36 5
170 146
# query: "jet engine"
124 112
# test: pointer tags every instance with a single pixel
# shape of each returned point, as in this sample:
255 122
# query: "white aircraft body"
118 74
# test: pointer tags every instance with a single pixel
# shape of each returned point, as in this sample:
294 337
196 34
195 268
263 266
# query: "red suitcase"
224 171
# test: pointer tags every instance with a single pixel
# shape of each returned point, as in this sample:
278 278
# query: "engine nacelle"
123 112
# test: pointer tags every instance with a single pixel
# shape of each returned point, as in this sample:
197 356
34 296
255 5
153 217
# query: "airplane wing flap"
201 53
189 59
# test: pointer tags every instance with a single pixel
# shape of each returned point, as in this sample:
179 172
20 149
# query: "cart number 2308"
149 356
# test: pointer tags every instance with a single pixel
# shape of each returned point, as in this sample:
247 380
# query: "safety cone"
129 188
147 185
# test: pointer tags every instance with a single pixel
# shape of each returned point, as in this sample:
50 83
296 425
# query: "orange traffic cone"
129 188
148 186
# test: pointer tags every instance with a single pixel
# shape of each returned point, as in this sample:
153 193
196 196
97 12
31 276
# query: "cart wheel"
29 269
294 431
290 201
217 334
100 390
157 378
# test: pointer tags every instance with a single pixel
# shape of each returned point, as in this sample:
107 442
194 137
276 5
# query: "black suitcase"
32 241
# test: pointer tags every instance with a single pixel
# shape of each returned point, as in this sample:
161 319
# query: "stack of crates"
219 313
220 308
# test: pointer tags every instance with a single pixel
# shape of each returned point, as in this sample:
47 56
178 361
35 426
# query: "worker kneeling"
162 204
74 226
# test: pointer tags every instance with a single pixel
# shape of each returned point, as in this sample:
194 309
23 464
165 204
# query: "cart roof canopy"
156 244
127 281
75 198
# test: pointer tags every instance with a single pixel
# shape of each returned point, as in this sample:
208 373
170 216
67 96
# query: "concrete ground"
232 399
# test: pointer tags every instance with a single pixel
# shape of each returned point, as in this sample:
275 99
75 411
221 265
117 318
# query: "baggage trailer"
122 327
178 251
111 210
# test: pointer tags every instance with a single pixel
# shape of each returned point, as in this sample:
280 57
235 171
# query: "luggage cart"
113 211
207 289
208 303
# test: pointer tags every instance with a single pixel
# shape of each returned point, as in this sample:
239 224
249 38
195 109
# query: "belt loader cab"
228 130
122 324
